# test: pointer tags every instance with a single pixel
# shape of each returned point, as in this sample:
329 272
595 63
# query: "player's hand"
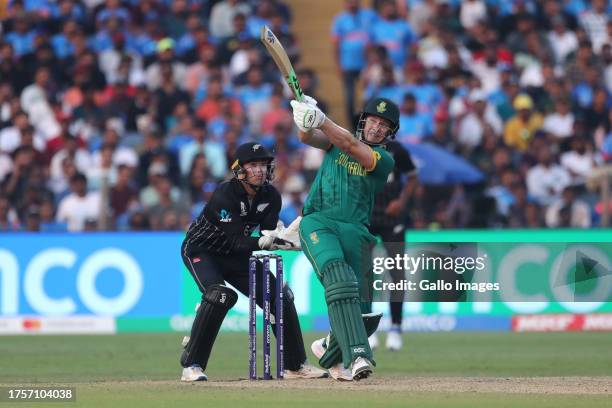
394 208
273 243
280 227
309 100
307 116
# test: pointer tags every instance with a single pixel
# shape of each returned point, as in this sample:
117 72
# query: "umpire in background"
216 250
389 219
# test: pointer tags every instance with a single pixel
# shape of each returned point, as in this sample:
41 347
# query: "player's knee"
221 296
340 282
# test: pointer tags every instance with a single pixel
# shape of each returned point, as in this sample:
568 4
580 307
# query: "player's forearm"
345 141
338 136
314 138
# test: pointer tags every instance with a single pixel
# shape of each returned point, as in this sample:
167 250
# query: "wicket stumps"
266 297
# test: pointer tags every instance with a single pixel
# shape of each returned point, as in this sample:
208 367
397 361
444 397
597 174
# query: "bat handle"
294 84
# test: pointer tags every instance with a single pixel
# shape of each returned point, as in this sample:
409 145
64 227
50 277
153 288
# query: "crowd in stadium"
124 115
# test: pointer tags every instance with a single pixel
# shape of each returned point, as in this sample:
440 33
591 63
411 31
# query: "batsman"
334 229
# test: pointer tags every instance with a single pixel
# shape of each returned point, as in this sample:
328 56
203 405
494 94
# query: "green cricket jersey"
344 190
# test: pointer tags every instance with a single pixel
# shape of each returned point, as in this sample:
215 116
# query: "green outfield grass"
141 370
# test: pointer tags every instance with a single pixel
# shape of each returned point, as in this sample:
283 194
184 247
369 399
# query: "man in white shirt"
81 157
594 22
80 206
560 123
568 212
222 17
562 41
482 118
579 160
546 180
11 137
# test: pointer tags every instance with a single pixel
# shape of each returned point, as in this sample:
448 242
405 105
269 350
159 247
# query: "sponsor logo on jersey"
314 238
359 350
225 216
262 207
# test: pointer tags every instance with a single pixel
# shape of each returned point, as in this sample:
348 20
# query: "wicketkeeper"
216 250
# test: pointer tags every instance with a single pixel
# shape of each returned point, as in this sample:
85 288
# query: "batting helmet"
382 108
250 152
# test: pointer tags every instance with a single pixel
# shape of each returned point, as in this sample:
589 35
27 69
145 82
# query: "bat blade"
279 55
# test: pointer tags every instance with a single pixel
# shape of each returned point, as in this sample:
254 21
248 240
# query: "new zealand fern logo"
381 107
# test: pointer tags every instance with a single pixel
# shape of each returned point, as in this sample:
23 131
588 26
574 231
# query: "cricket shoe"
193 373
361 368
373 341
307 370
337 372
394 339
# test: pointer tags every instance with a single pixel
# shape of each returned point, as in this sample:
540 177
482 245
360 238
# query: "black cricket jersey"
393 188
227 221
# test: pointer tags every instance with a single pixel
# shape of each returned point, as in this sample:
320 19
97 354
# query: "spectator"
80 206
277 110
559 123
594 21
12 137
158 214
222 17
546 180
8 216
201 144
22 37
80 156
35 101
211 106
568 212
482 119
154 151
472 11
521 128
165 57
350 36
392 32
414 126
579 161
123 195
563 41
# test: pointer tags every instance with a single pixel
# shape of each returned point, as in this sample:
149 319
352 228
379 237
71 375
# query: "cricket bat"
279 55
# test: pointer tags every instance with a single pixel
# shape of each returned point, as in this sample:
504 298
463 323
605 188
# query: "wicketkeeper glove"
273 243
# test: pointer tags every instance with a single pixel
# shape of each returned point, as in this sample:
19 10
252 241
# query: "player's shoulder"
225 186
271 191
382 153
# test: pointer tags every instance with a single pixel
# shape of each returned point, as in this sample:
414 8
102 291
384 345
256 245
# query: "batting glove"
309 100
307 116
